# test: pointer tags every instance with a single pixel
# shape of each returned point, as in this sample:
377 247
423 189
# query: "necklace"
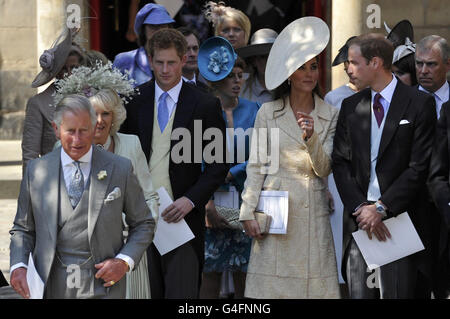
107 144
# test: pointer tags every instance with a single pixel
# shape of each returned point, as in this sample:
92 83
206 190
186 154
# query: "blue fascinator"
216 58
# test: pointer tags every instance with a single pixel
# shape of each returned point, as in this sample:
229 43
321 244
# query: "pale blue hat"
152 14
216 58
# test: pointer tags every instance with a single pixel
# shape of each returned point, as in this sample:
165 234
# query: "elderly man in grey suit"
69 214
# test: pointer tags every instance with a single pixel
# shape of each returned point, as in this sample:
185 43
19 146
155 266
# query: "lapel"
145 120
320 114
399 102
52 180
185 108
97 190
287 122
362 124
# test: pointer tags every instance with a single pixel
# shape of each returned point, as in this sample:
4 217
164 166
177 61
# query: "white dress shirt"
69 168
440 96
194 79
171 102
373 192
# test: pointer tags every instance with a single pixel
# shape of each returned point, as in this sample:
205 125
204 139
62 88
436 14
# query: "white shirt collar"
173 92
443 93
187 80
388 91
67 160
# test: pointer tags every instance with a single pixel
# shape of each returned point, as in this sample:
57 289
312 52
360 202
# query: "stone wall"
27 28
17 63
349 18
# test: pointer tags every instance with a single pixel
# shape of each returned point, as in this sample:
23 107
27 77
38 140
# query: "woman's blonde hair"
217 13
108 100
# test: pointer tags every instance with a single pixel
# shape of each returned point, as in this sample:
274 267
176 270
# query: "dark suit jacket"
403 156
187 179
438 181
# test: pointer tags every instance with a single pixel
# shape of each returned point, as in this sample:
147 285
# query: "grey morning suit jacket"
36 222
38 135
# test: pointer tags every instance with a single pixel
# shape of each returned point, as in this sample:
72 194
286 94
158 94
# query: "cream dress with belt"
301 263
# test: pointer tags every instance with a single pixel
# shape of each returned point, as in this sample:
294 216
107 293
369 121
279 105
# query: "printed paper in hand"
404 242
35 283
275 204
169 236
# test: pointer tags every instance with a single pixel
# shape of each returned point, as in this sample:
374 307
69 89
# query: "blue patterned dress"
228 249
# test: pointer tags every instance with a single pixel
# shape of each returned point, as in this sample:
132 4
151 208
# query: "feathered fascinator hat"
90 80
214 11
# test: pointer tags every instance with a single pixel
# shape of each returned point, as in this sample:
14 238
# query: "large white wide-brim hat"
299 42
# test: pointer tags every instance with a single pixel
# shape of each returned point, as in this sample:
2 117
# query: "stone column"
347 20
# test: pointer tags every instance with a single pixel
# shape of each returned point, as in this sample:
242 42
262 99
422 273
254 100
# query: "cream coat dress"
301 263
129 146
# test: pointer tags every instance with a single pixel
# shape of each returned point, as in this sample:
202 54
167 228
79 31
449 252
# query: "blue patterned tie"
76 186
163 112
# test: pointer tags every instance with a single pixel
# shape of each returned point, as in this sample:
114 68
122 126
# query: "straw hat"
299 42
53 59
216 59
260 43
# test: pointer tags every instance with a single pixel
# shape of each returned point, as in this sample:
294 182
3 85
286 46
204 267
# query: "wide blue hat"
216 59
152 14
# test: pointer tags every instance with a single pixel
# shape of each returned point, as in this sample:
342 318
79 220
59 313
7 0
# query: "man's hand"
177 210
213 219
111 270
369 220
252 229
19 282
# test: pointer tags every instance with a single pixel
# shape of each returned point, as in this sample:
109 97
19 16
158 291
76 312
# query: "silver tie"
76 186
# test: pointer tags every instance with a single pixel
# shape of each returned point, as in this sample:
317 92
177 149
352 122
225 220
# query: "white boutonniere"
101 175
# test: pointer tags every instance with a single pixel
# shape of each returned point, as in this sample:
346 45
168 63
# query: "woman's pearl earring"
289 82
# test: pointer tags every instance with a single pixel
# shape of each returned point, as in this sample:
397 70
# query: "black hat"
342 56
400 32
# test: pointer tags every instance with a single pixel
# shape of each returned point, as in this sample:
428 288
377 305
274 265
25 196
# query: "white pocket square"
116 193
404 122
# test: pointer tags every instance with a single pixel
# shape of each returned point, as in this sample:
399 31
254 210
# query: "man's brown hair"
375 45
166 39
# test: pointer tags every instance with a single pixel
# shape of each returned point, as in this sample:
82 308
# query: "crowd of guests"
98 143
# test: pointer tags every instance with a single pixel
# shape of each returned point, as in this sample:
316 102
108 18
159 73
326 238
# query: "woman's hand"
212 218
252 229
306 123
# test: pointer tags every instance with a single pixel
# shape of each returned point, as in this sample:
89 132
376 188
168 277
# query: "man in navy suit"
381 153
164 105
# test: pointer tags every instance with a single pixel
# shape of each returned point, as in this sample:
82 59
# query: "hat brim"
208 47
400 32
254 50
60 56
341 57
299 42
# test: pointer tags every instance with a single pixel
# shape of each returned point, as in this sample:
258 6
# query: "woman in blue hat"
227 248
149 19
